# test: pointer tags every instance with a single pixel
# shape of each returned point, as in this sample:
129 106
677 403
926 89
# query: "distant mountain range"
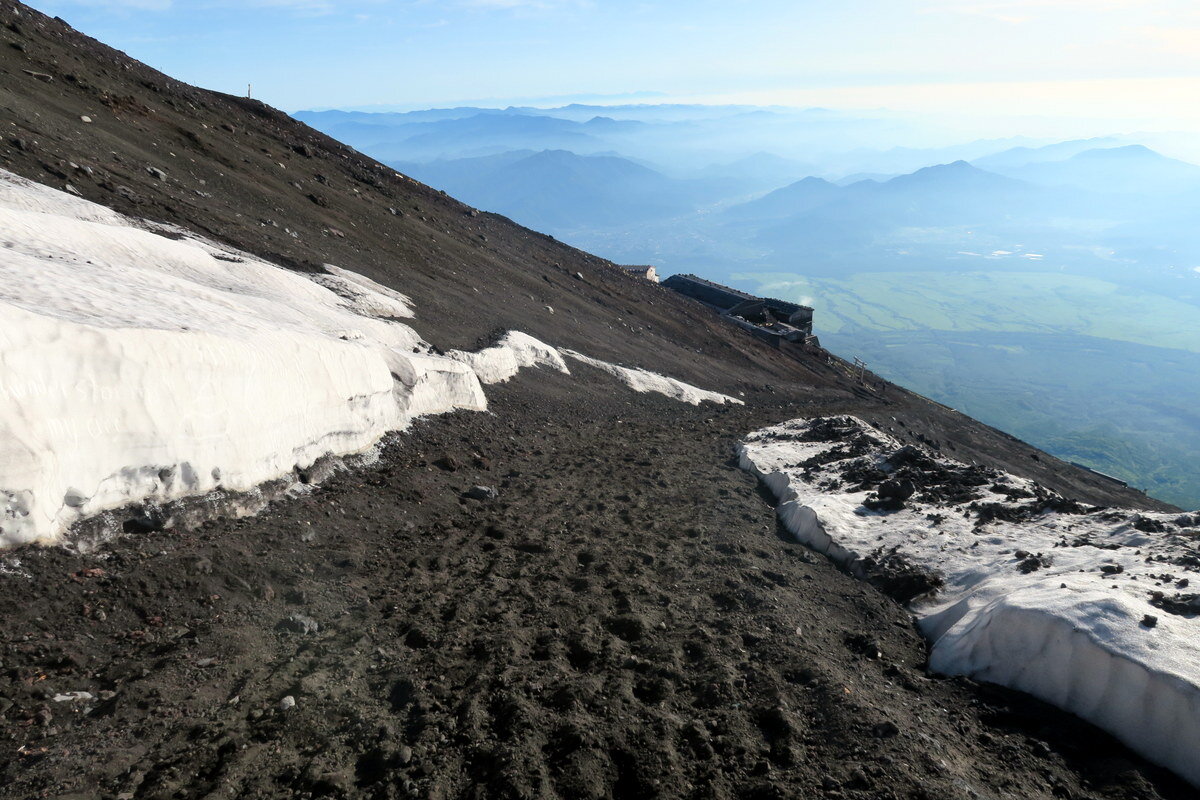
558 190
1010 278
1129 169
682 138
1016 157
1121 192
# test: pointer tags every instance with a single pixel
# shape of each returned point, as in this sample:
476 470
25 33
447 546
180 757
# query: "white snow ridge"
139 366
514 352
1091 610
139 363
641 380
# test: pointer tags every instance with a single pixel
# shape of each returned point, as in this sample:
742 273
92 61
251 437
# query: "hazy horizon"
1054 68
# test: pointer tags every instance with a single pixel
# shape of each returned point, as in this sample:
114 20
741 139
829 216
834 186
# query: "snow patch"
514 352
140 363
1091 610
363 295
138 366
641 380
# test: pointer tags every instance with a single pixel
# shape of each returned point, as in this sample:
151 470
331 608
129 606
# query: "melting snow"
641 380
1088 609
138 362
141 366
514 352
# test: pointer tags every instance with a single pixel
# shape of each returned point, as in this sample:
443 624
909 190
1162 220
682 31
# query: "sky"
1132 61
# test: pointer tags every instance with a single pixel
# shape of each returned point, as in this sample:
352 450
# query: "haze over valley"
1049 287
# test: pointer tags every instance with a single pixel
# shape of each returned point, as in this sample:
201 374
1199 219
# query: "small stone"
298 623
404 754
1149 620
156 172
85 118
287 703
73 697
201 566
885 730
482 493
449 463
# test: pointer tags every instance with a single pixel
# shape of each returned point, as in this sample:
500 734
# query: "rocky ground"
624 619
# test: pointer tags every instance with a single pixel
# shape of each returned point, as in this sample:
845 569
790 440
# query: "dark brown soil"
624 620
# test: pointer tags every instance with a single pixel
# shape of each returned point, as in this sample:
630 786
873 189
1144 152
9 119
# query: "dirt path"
624 620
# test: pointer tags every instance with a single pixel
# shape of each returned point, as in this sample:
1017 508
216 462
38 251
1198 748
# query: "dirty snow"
641 380
142 363
1091 611
515 351
138 365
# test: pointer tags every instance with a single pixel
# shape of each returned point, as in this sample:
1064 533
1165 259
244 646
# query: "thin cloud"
304 6
1181 41
527 5
1017 12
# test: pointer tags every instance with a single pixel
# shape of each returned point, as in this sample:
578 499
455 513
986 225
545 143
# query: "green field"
1088 370
1024 302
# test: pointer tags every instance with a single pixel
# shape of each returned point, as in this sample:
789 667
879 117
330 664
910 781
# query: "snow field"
137 366
1068 607
141 363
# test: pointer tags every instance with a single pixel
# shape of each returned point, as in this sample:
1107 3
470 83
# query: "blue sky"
1136 60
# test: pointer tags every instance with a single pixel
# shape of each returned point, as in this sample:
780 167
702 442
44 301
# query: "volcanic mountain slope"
623 620
249 176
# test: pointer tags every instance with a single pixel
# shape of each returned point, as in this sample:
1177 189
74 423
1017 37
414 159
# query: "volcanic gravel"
624 619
